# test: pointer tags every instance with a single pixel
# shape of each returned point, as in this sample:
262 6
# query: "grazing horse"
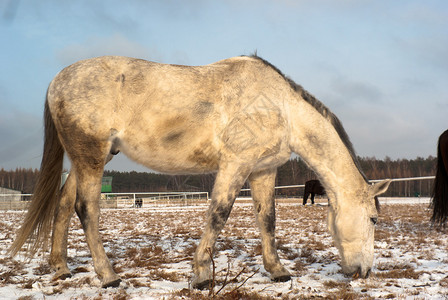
440 191
239 117
312 187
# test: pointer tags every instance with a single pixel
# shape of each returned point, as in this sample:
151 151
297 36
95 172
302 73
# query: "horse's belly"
194 158
274 159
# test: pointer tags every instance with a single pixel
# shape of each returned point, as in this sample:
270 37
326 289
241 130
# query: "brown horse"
312 187
240 118
440 191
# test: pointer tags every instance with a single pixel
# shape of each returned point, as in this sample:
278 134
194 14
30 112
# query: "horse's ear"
381 187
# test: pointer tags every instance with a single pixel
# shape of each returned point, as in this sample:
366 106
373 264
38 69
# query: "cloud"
351 90
421 12
384 130
429 50
22 136
116 44
377 123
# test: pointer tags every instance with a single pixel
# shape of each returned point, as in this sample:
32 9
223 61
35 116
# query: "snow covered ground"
152 248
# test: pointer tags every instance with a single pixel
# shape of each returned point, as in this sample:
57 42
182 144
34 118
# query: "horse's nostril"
368 273
357 274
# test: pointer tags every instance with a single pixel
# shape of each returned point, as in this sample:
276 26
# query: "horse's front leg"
305 196
87 208
227 184
63 214
262 187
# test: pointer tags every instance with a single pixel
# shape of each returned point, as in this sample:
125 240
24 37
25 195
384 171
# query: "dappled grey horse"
239 117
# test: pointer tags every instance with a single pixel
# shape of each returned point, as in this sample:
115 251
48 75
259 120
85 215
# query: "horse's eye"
374 220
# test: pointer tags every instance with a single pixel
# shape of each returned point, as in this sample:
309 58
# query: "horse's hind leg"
227 184
87 208
262 186
63 214
61 224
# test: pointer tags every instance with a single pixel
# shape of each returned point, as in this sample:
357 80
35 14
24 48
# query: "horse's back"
122 85
168 117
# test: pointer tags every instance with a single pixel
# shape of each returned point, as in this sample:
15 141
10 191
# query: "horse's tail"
39 218
439 202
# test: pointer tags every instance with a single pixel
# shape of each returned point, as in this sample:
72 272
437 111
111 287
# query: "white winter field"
152 249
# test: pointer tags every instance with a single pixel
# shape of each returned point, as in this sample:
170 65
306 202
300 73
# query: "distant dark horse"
440 192
312 187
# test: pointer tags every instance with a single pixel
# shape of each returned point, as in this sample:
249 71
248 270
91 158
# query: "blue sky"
380 66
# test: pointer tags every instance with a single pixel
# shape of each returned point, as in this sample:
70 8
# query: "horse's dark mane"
439 202
321 108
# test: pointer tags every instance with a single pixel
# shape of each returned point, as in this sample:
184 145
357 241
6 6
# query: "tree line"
293 172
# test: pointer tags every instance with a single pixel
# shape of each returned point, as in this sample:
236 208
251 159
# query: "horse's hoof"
201 285
113 283
62 276
282 278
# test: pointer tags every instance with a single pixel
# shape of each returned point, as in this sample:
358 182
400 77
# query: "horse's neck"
315 139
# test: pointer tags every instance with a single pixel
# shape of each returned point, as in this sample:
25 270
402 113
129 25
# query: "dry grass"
240 294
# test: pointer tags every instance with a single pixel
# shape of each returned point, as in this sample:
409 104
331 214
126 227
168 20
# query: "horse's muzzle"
359 274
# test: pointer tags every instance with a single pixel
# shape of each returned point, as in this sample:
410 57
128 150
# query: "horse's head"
351 221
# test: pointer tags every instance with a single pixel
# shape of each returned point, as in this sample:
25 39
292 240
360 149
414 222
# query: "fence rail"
123 200
143 199
118 200
406 179
373 180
